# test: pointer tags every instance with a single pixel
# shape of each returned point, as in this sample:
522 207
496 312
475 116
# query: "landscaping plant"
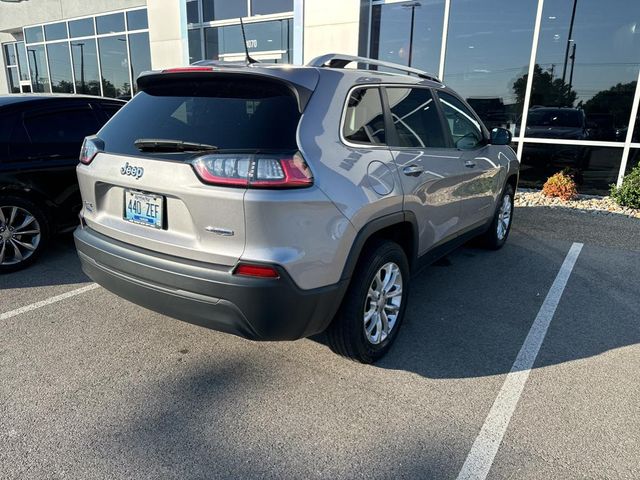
628 194
561 185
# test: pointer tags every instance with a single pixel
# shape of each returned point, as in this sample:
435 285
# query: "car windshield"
555 118
232 115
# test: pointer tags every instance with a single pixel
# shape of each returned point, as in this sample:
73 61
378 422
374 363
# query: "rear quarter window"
230 114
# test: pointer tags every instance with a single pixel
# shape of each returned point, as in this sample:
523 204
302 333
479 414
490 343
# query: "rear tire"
24 232
372 311
497 234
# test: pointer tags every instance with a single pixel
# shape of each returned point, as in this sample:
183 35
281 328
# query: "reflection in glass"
38 69
60 67
594 168
195 45
33 34
9 54
85 66
55 31
621 133
223 9
81 28
111 23
140 55
588 59
266 7
266 41
408 33
137 19
416 118
14 84
633 160
115 66
22 61
488 49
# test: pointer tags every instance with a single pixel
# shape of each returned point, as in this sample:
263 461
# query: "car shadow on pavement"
58 265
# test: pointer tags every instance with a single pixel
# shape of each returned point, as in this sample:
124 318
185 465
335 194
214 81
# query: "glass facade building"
97 55
562 75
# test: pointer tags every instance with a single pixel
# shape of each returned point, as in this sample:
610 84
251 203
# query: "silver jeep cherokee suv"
275 202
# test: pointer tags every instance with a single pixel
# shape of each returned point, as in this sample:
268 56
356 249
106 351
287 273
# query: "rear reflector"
254 171
262 271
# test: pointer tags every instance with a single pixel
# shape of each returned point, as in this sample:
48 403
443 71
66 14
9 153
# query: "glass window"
364 120
55 31
416 118
9 54
226 42
488 51
633 160
61 132
594 168
463 126
140 55
81 28
110 109
265 7
85 66
232 114
393 26
115 66
223 9
60 67
22 61
621 132
38 69
14 84
193 15
111 23
33 34
195 46
588 61
137 20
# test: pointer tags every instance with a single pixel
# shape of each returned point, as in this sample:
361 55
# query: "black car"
40 141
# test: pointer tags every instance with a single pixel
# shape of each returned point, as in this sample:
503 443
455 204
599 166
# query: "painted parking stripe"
48 301
485 447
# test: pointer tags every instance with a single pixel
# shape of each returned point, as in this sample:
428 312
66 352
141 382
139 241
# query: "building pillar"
168 33
330 26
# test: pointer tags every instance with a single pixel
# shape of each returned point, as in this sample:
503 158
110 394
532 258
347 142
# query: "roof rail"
339 60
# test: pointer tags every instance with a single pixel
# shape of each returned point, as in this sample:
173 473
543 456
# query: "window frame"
385 114
483 130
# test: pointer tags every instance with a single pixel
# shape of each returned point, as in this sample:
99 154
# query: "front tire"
24 232
496 236
372 311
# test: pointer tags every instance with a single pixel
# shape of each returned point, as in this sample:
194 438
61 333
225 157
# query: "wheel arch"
400 227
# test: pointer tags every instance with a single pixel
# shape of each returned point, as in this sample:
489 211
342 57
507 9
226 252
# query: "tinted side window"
110 109
463 126
416 118
60 132
364 120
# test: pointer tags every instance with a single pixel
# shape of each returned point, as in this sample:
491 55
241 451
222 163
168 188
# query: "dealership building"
562 75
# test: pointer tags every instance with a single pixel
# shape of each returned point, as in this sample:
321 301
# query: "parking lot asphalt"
95 387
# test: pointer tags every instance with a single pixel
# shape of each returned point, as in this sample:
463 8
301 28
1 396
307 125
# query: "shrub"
628 195
561 185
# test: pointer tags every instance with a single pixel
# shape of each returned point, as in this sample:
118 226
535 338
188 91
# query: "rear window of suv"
232 114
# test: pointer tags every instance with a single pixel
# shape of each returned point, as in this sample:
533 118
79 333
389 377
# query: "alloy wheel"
504 217
19 234
382 304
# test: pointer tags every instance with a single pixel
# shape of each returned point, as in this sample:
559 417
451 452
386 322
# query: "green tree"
616 101
546 90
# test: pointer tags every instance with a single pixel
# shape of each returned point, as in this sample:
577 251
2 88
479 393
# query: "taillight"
252 270
88 151
254 171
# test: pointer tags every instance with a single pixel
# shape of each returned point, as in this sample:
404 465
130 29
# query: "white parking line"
48 301
485 447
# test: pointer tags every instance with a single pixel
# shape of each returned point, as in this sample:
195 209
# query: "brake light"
88 151
254 171
187 69
250 270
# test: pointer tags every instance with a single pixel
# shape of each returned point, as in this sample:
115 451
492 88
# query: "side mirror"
500 136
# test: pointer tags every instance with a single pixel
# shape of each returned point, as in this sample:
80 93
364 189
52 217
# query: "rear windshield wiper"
163 145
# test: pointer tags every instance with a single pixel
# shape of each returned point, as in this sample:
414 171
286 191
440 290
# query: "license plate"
143 208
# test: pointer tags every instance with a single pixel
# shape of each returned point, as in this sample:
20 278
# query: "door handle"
413 170
470 164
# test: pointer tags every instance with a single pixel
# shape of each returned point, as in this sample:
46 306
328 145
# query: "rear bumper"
207 295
